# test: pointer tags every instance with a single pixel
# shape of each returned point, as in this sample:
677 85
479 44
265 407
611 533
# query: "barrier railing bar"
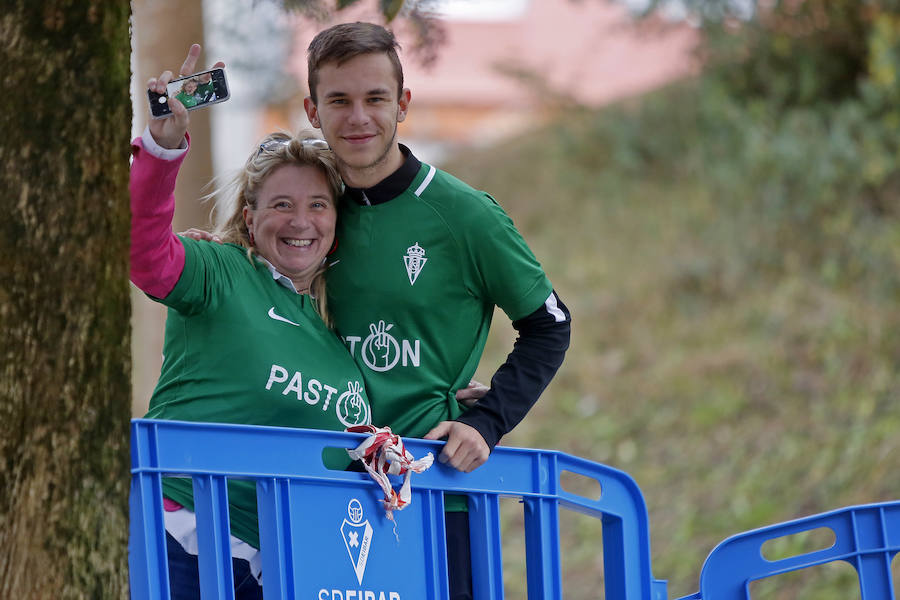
213 533
272 499
149 577
542 548
436 551
487 552
147 533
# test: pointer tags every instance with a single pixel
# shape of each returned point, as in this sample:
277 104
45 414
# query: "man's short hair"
343 42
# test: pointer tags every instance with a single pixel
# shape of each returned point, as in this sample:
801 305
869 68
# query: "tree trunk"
163 31
64 304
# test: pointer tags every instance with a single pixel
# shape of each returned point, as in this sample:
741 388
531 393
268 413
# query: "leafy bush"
732 263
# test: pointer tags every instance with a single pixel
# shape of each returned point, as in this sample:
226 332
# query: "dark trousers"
459 555
184 575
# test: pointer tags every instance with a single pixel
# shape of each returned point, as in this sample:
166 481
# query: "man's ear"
403 104
311 112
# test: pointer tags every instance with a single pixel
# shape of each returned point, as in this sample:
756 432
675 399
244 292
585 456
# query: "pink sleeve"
157 255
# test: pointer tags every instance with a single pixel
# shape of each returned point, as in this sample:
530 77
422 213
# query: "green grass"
743 369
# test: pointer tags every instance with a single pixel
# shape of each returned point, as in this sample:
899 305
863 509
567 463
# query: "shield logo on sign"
357 536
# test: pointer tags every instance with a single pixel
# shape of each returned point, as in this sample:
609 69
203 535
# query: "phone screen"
194 91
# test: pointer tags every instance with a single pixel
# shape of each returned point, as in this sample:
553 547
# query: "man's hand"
465 449
472 393
169 132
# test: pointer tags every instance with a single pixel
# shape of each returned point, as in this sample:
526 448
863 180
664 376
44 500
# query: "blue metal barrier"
323 533
867 537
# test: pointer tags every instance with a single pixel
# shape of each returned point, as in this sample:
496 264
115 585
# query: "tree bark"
64 304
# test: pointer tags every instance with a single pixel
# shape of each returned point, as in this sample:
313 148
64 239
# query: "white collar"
278 276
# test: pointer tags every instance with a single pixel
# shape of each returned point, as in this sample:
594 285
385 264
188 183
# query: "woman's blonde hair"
187 82
274 151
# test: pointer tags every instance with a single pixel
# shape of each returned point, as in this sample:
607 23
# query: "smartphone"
194 91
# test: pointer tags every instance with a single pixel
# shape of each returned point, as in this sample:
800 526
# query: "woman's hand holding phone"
169 132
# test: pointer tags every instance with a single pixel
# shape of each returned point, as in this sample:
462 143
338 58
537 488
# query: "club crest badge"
415 261
357 536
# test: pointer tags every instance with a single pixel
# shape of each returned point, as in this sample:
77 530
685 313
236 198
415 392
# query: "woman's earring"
334 246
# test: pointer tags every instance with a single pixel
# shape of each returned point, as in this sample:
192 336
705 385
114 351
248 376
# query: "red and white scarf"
383 454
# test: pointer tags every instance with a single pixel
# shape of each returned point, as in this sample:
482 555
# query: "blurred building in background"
507 65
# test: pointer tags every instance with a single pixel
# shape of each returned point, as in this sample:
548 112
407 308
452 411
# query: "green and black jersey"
414 288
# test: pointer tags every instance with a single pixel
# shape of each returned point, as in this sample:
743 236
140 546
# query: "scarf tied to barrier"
382 453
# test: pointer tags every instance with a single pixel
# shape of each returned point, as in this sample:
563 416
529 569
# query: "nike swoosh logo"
277 317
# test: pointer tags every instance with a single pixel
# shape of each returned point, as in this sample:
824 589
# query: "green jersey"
414 289
242 348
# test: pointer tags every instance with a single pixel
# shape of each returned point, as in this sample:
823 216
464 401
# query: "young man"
422 260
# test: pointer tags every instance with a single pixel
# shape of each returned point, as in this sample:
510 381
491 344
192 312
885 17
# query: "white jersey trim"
426 181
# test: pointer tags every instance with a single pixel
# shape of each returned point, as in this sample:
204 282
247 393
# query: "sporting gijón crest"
415 261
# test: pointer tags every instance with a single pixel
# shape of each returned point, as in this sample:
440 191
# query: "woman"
246 334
